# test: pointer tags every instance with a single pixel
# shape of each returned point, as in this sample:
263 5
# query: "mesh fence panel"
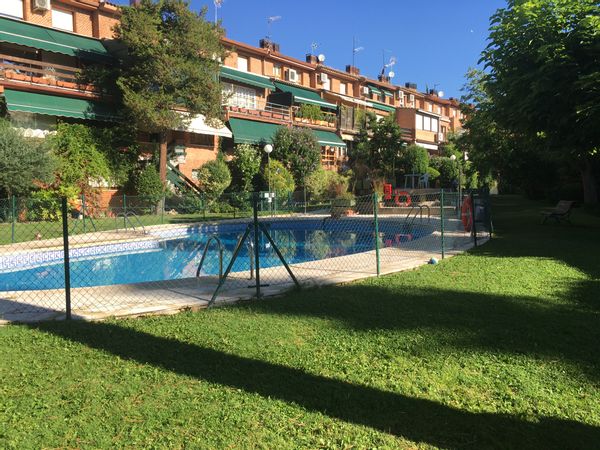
32 277
141 255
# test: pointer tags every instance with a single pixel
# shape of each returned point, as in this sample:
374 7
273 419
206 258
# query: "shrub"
298 150
46 204
447 168
22 162
415 159
213 178
325 184
244 167
149 185
281 179
311 112
190 203
434 174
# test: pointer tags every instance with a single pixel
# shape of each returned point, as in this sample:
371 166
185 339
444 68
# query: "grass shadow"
416 419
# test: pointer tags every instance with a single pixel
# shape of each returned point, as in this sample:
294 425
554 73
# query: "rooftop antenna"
218 4
313 48
355 50
385 66
270 21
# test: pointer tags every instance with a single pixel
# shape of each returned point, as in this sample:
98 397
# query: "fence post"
442 221
125 211
14 218
256 244
65 232
376 223
473 219
83 210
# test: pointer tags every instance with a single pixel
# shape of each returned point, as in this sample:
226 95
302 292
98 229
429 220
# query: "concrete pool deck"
173 296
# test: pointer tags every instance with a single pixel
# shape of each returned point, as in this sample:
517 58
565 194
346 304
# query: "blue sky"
434 41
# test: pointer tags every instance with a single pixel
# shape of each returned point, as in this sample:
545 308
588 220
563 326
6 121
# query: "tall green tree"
169 63
298 150
543 73
244 167
23 162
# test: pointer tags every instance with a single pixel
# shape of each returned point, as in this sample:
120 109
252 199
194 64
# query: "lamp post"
268 149
465 158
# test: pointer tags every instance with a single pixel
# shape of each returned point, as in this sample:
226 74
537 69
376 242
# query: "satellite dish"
391 74
321 58
440 93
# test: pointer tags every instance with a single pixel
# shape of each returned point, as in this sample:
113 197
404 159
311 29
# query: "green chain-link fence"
140 255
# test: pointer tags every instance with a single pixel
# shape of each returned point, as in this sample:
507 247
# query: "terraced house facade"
44 45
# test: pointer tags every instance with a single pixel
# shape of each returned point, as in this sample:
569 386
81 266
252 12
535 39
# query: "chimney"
410 85
383 78
312 59
268 44
352 70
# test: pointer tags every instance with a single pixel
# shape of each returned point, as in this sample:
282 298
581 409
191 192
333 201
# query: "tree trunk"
162 164
590 188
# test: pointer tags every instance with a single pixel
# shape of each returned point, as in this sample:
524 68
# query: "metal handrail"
127 220
420 213
216 239
250 246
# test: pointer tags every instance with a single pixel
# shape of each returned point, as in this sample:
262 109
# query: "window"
343 88
429 107
13 8
243 97
438 109
434 125
427 123
201 140
242 63
419 122
63 20
327 84
277 71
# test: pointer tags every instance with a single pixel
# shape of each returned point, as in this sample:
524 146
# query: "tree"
213 178
170 63
245 166
23 162
415 159
377 148
298 150
80 160
280 178
543 63
149 185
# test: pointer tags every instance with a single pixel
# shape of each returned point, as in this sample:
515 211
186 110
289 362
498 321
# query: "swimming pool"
175 254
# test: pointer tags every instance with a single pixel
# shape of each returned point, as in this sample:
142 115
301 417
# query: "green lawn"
494 349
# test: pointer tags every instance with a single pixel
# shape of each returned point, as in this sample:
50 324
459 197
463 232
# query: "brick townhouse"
45 43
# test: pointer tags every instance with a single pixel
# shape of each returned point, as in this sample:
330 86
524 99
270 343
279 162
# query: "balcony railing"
41 73
326 120
263 109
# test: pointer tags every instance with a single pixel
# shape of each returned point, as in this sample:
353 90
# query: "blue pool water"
169 259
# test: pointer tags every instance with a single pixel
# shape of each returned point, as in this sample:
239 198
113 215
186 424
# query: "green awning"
251 132
374 90
34 36
381 107
53 105
246 78
305 96
329 138
387 93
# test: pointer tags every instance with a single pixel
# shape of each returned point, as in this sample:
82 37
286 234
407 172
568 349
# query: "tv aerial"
270 21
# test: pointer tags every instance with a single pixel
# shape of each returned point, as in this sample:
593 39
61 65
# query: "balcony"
331 159
427 136
323 120
18 71
271 112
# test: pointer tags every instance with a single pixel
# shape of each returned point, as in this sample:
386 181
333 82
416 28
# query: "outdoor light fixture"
268 149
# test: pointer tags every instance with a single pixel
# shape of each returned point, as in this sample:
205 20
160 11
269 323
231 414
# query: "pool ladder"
221 248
